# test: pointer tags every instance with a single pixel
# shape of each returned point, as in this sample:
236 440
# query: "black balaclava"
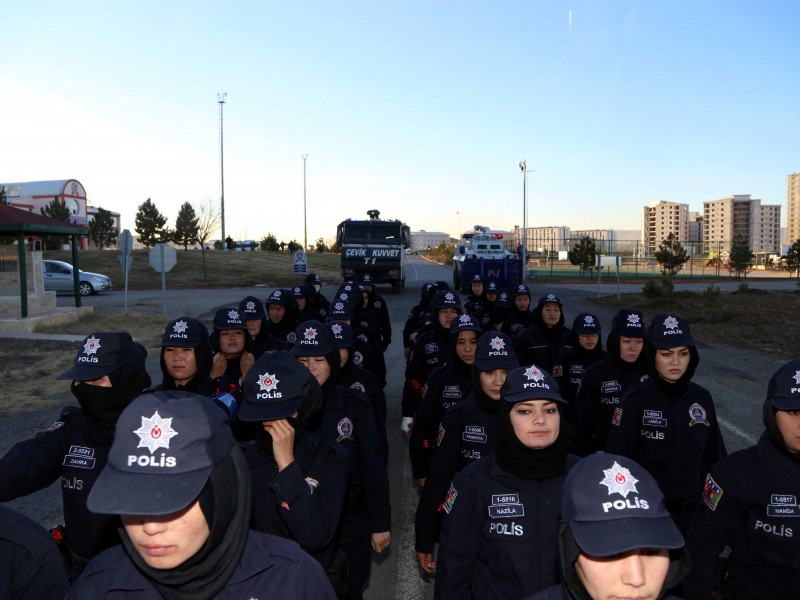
774 432
204 359
529 463
571 586
310 407
225 502
103 405
487 403
671 390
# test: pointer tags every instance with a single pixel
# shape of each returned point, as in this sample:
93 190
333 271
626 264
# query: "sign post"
162 258
126 258
300 263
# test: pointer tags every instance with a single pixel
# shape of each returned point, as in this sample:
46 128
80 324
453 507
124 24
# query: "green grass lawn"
224 268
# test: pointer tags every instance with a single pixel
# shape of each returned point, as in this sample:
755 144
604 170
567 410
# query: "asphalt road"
737 380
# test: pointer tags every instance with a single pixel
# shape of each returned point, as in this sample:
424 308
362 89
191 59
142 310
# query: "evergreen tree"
149 223
187 225
3 199
793 257
741 258
101 229
56 209
293 246
671 255
321 246
269 243
583 254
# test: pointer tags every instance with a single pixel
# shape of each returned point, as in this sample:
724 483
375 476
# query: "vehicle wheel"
85 289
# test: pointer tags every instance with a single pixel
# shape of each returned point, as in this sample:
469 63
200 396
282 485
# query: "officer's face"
166 541
630 348
671 364
465 346
364 299
491 296
343 354
369 287
301 303
551 313
522 302
536 422
318 366
588 340
477 288
231 342
636 574
492 381
254 327
446 315
276 312
181 363
789 424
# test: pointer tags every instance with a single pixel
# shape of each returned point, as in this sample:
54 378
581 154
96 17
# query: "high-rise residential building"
793 207
695 227
741 216
423 240
661 218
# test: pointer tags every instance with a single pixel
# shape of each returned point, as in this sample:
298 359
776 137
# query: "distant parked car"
58 278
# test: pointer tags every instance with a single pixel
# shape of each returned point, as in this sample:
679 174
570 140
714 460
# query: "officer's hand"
380 541
426 562
421 482
407 352
245 362
282 441
218 366
407 425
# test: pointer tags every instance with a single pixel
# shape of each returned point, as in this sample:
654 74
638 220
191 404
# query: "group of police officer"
546 465
500 402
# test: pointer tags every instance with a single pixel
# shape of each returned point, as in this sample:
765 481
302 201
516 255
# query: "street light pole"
221 97
523 165
458 214
305 228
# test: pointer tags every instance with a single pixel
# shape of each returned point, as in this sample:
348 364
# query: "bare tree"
208 221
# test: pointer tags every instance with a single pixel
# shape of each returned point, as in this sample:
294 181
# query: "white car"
58 277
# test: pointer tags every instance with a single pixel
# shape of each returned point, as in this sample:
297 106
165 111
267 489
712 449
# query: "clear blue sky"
419 109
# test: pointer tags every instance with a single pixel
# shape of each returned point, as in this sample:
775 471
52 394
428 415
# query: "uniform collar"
770 457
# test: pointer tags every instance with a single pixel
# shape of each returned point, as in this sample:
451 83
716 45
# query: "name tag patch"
505 506
80 457
431 348
783 505
653 418
474 433
452 391
610 387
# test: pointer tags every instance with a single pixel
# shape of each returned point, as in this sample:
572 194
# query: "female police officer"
466 433
108 373
181 488
186 359
500 535
520 316
668 423
750 503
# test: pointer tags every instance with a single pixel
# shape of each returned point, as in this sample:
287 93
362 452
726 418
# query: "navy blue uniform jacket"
431 350
500 536
347 420
304 501
63 452
270 567
750 503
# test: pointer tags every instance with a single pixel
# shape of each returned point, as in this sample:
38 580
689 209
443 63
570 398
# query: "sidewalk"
53 337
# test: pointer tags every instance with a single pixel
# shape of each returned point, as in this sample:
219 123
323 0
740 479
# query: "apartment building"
741 216
662 218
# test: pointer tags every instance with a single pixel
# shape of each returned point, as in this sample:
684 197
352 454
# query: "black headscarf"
529 463
203 357
571 586
310 407
225 502
103 405
458 364
613 349
774 432
671 390
486 402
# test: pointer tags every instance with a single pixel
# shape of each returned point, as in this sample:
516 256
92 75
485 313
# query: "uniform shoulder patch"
450 499
313 484
54 426
358 386
712 493
617 418
423 392
439 435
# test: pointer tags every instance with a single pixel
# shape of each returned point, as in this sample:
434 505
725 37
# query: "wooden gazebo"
21 223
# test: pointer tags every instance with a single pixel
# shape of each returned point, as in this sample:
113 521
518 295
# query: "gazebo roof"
14 220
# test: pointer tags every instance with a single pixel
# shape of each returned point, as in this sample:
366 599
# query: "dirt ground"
758 320
30 367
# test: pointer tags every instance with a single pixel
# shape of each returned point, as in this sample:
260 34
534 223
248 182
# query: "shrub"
711 295
652 289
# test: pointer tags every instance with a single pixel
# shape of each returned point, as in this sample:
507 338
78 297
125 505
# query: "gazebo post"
23 275
76 276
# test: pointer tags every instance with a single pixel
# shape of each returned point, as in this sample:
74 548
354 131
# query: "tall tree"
320 246
793 257
208 217
3 199
583 254
671 255
149 223
187 225
56 209
269 243
740 259
293 245
101 229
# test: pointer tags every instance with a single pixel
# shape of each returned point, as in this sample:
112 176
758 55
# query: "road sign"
125 261
300 263
125 242
162 258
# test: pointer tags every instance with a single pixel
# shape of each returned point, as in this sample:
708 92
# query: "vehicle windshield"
371 233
